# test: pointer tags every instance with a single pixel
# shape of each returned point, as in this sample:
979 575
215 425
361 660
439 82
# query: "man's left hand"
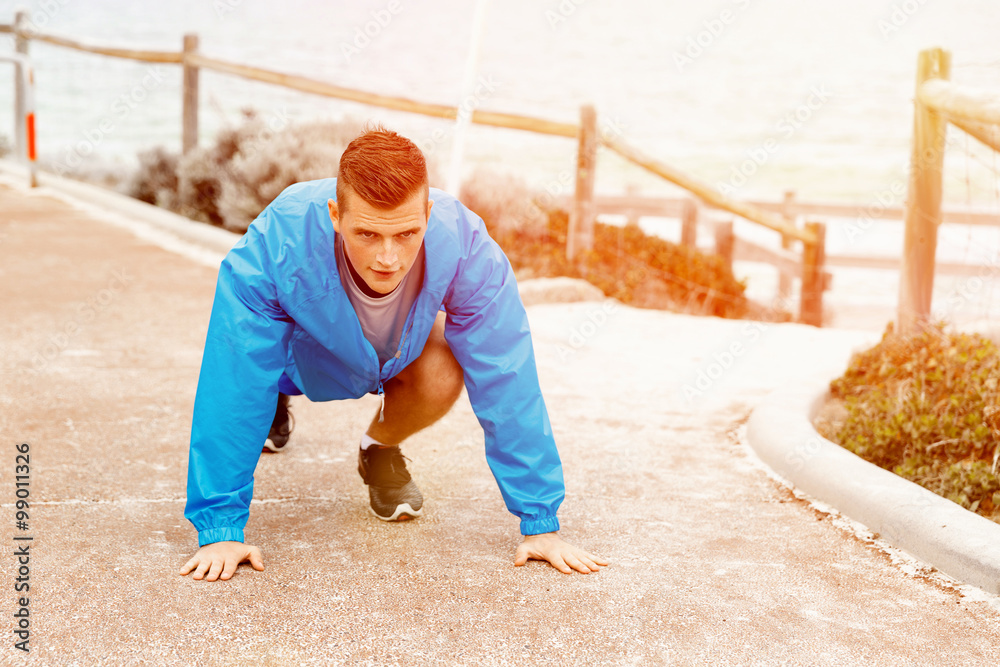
562 555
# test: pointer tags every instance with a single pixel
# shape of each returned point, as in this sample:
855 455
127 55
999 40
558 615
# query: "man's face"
381 244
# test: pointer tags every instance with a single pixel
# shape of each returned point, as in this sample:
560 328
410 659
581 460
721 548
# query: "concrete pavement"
713 561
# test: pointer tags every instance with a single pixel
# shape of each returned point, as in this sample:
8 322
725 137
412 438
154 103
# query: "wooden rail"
942 97
706 192
317 87
584 211
673 207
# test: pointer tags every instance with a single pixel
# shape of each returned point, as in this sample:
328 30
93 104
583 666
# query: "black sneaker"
281 427
391 492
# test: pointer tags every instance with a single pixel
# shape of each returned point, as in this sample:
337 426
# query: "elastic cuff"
212 535
538 526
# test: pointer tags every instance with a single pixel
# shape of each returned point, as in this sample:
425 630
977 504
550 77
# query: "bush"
927 407
5 146
263 167
626 263
230 182
156 180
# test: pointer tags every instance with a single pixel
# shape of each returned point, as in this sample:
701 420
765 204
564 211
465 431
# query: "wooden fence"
807 264
936 104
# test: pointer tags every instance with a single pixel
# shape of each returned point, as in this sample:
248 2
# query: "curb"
941 533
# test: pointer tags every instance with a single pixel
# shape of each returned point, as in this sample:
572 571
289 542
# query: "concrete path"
713 562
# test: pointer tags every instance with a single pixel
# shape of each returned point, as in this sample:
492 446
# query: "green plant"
927 407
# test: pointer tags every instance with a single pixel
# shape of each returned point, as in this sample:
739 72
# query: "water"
818 96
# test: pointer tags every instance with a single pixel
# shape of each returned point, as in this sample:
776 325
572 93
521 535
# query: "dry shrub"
626 263
927 407
155 182
262 168
231 181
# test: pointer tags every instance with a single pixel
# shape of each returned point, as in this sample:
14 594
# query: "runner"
370 282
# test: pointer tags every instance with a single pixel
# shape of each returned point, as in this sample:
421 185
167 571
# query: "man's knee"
436 372
441 374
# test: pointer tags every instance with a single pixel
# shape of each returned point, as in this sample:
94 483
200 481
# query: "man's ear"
430 205
334 214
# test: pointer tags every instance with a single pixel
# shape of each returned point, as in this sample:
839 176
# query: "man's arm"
487 331
237 392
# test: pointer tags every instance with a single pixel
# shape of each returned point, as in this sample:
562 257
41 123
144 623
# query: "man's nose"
387 254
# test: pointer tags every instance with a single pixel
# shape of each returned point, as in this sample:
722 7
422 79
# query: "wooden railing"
789 264
937 102
808 265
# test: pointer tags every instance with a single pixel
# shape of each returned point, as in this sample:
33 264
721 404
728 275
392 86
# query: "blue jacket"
279 307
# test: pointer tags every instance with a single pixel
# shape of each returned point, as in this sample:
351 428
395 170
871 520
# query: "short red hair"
382 167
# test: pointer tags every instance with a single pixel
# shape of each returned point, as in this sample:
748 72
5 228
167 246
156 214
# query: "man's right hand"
220 559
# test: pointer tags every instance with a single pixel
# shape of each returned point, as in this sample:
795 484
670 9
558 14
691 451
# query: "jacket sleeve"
487 330
237 392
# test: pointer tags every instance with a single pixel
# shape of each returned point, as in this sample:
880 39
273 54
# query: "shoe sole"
403 513
269 446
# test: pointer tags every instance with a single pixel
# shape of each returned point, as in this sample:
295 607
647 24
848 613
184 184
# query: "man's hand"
222 557
562 555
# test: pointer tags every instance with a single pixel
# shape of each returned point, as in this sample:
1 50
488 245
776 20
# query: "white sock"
367 441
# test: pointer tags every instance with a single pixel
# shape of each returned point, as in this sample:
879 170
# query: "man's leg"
422 393
416 398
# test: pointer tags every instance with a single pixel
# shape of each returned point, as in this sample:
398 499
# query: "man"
369 283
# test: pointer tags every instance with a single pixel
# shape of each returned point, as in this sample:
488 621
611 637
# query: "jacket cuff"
537 526
211 535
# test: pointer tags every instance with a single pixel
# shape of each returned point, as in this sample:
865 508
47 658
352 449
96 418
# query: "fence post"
923 200
190 105
689 223
631 217
580 236
813 276
785 279
22 32
724 242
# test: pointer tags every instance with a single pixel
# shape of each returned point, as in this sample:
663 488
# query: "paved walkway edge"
939 532
201 234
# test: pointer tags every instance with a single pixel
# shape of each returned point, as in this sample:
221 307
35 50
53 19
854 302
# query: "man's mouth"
383 274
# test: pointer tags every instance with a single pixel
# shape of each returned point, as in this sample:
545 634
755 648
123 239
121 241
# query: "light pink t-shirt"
382 318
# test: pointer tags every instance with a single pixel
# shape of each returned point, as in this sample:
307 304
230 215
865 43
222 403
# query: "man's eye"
407 235
367 235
